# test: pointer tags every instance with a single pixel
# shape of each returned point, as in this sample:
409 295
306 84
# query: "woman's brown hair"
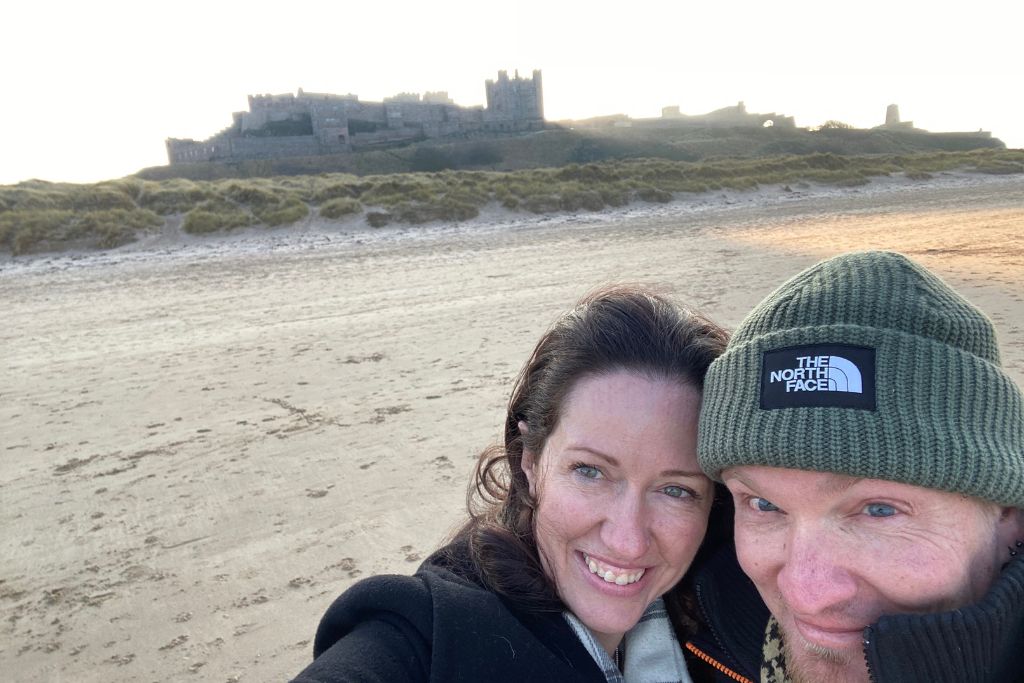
619 327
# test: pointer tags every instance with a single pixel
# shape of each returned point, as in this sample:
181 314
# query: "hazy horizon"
93 91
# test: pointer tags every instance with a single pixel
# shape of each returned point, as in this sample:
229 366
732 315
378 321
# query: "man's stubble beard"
816 664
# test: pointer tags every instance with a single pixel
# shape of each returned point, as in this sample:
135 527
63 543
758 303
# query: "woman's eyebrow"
596 453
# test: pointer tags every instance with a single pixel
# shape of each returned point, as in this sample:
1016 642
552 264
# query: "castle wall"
236 149
266 108
190 151
269 148
387 136
432 115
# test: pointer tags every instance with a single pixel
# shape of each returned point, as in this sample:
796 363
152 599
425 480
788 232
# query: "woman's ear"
529 460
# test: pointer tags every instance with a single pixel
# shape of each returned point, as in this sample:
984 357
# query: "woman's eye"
879 510
762 505
588 471
676 492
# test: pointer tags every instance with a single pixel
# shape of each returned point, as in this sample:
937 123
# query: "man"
874 449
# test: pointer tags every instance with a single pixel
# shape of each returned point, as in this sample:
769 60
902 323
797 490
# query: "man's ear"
529 461
1010 527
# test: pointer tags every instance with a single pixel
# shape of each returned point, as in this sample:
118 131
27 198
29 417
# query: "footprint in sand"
381 414
174 642
243 629
345 564
257 598
442 462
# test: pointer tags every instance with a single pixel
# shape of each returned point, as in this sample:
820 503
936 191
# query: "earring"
1017 546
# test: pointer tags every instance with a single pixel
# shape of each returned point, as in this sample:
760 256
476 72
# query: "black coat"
442 624
981 643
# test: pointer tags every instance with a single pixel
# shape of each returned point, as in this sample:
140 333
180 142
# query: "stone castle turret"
513 101
892 118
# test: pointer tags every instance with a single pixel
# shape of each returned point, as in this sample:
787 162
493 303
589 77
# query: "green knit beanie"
869 365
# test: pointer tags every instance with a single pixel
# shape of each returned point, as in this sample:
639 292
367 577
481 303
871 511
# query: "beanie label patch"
829 375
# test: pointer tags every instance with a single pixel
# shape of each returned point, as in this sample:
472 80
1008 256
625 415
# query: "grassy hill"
563 144
41 216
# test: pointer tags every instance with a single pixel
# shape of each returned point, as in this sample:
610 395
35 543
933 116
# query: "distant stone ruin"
731 117
893 123
313 124
892 118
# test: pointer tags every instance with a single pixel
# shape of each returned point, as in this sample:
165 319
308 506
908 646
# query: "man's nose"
815 576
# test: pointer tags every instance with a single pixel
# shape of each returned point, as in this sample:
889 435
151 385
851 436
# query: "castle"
311 124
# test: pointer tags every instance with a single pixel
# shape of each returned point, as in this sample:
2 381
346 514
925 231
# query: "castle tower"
538 94
515 103
892 115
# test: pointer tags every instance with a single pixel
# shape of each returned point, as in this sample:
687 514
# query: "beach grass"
339 207
214 215
37 215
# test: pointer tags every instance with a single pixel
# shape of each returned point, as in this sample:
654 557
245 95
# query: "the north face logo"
833 375
820 373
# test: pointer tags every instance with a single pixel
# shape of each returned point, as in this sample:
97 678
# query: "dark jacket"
983 642
442 625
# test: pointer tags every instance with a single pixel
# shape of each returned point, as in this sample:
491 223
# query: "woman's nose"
625 531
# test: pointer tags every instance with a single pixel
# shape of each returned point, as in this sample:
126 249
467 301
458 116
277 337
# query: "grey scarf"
652 653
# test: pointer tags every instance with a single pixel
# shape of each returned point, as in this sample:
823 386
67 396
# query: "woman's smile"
609 573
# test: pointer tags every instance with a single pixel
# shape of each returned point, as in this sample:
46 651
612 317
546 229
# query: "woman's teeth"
613 575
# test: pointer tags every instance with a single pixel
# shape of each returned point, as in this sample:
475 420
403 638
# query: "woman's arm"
380 629
383 649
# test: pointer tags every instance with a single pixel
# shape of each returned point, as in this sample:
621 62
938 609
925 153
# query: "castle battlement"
271 101
324 97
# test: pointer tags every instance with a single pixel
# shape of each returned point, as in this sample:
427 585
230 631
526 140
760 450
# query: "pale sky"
90 90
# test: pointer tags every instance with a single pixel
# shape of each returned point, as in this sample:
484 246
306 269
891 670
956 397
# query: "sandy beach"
205 441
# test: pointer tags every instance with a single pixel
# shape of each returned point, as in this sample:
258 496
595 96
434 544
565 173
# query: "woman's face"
622 504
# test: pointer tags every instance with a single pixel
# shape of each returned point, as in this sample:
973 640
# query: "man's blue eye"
763 505
880 510
588 471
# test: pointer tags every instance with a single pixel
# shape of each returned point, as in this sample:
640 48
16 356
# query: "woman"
582 526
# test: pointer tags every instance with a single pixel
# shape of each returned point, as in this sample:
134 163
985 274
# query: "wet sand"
204 442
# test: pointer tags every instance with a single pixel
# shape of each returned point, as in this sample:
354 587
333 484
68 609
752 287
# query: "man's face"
831 553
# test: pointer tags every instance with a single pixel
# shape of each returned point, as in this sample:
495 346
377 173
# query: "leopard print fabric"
773 655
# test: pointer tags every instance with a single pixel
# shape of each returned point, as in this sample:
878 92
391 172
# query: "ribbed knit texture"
947 416
979 643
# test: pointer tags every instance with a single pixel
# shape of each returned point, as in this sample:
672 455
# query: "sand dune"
205 442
